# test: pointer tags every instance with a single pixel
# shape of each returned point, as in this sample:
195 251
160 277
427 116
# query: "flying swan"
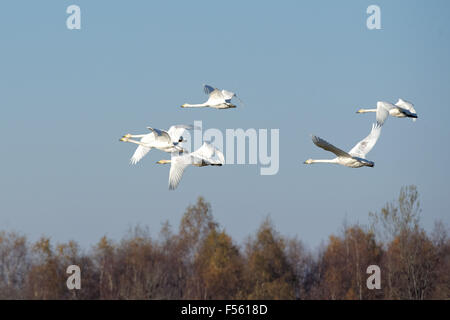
402 109
167 141
218 99
206 155
355 158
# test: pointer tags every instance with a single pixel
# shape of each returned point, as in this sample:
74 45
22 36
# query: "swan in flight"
218 99
355 158
206 155
402 109
167 141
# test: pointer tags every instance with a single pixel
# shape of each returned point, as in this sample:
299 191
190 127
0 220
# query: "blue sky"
303 67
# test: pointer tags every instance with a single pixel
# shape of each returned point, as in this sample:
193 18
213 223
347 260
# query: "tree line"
201 261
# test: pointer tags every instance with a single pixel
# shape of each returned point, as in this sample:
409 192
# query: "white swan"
355 158
167 141
218 99
206 155
402 109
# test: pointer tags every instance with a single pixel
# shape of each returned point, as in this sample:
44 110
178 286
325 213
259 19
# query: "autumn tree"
411 259
45 279
135 271
441 242
14 265
201 261
47 276
105 261
68 254
196 223
128 270
412 265
304 266
268 272
218 267
345 262
172 267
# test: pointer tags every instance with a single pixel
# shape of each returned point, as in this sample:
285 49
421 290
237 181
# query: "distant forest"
201 261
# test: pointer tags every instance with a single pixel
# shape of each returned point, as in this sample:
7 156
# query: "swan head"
360 111
163 162
309 161
184 105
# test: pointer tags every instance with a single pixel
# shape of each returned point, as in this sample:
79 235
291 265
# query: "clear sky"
303 67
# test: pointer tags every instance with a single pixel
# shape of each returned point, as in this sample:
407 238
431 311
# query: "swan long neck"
366 110
323 160
130 140
137 135
199 105
135 142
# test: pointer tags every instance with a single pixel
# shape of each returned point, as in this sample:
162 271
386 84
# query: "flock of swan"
356 157
171 141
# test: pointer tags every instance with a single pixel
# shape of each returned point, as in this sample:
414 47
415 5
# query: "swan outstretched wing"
177 166
383 111
215 95
209 153
329 147
228 95
407 106
161 135
208 89
179 163
364 146
215 98
141 150
175 132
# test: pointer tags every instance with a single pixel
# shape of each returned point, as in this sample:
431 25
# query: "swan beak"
183 106
359 111
123 139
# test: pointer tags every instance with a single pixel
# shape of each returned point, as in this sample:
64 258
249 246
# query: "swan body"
218 99
402 109
355 158
167 141
206 155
